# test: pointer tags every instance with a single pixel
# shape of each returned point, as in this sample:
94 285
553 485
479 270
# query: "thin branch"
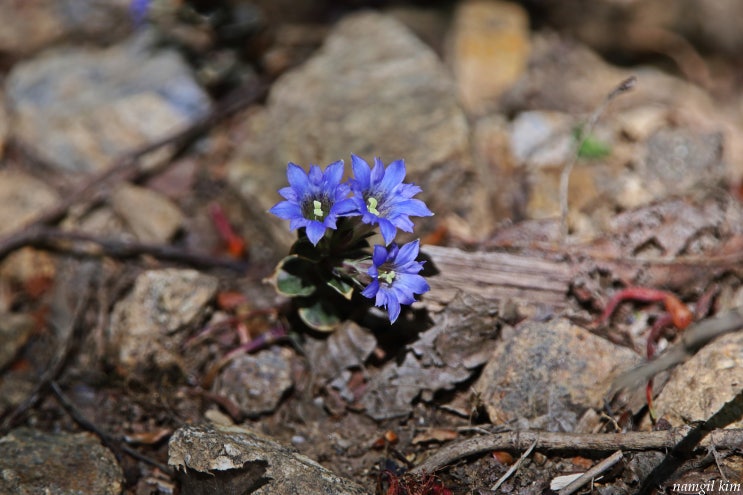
692 339
592 473
108 439
722 439
128 167
12 416
515 467
84 245
623 87
682 450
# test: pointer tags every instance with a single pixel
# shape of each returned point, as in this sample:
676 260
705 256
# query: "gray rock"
79 108
232 459
374 89
548 374
43 22
148 214
144 325
257 382
542 139
347 347
35 462
460 341
23 197
697 389
678 159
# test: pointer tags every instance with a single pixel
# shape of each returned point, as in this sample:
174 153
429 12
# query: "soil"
65 374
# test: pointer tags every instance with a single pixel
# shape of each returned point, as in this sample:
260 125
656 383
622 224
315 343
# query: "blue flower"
382 198
395 278
314 200
138 11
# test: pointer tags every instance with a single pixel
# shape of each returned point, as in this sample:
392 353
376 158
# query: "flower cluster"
334 220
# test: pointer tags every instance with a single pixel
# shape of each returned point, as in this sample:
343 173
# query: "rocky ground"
575 155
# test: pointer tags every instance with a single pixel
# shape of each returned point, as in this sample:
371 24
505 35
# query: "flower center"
371 205
317 209
387 276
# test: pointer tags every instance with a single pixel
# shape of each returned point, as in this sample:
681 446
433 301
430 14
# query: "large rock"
488 50
546 374
23 197
31 26
231 459
151 216
257 382
34 462
79 108
145 324
374 89
460 341
697 389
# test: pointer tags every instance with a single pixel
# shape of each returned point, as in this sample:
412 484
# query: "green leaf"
341 286
293 276
320 317
591 147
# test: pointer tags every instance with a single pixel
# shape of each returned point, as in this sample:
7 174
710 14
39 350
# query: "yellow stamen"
318 209
388 276
372 206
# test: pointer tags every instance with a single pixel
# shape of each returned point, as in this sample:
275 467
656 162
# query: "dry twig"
13 415
592 473
682 450
623 87
108 439
515 467
575 442
79 244
127 167
692 339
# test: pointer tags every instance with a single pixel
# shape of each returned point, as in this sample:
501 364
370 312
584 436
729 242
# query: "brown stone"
546 374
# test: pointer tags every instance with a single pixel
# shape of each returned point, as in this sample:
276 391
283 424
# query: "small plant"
331 271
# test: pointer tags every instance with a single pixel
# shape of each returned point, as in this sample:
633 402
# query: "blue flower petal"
394 198
361 171
393 311
297 178
371 289
334 174
408 253
407 191
288 193
393 175
414 207
286 210
393 307
315 231
387 229
298 222
399 271
412 284
329 221
315 175
377 173
309 188
402 222
345 207
401 296
379 255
